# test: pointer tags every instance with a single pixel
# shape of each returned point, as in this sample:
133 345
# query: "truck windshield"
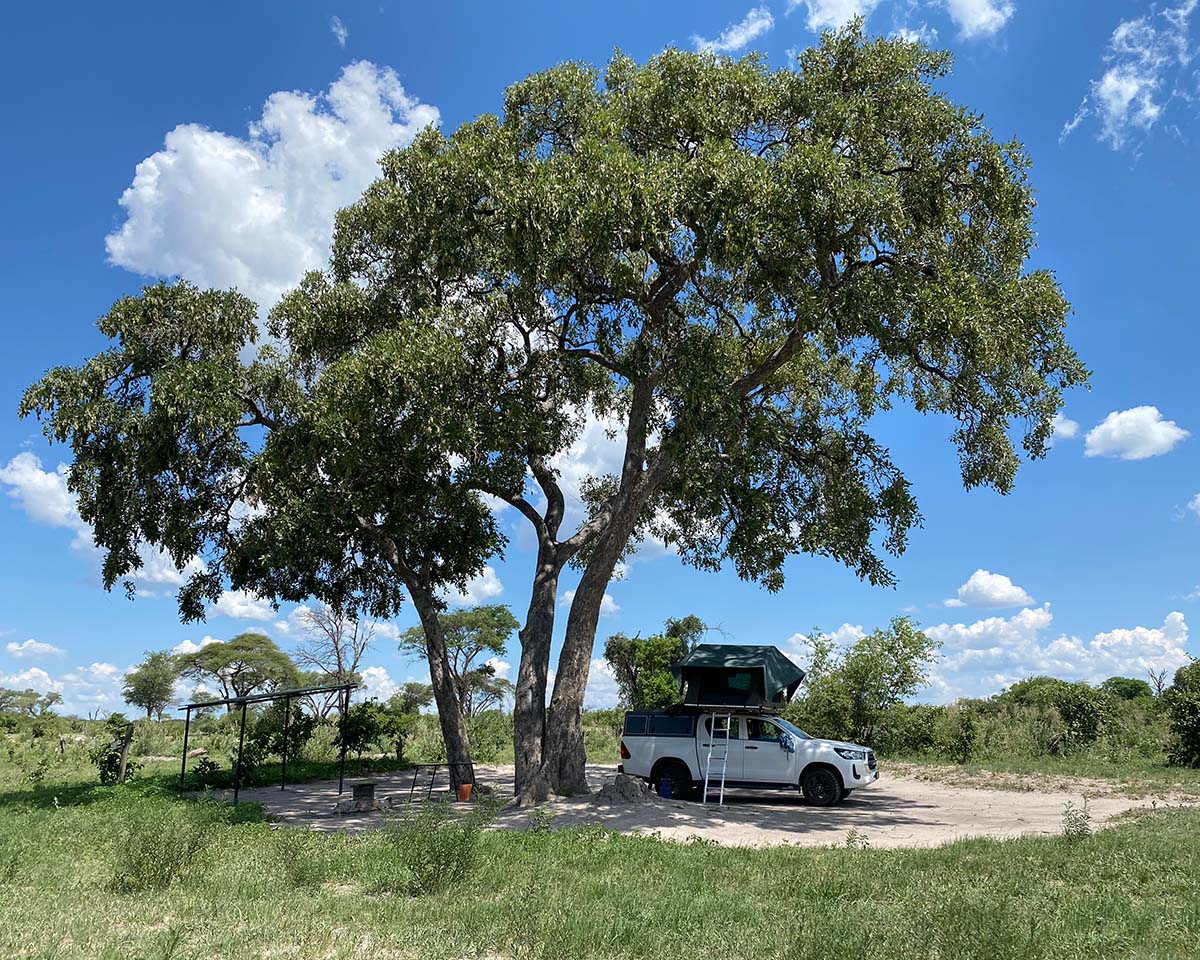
792 729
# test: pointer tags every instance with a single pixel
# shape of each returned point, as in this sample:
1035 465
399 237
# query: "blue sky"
216 140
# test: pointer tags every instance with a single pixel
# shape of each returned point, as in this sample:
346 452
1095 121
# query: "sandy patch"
898 811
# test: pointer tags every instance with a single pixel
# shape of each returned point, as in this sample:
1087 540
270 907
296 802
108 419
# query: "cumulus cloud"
1147 59
1194 505
608 606
32 650
986 589
339 31
502 667
377 683
738 35
94 690
831 14
256 211
1062 428
44 497
602 690
191 646
243 605
479 589
978 18
981 658
1133 434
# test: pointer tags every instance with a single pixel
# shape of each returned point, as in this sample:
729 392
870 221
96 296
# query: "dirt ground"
897 811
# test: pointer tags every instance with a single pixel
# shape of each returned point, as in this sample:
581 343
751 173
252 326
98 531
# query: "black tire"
821 786
846 793
682 787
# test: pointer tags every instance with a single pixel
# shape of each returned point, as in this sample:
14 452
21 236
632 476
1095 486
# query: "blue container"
664 788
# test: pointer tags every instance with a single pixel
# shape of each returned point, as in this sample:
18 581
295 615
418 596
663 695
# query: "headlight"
847 754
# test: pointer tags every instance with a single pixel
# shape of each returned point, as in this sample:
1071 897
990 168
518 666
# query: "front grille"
871 759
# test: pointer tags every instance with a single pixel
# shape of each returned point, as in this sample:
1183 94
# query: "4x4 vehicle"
764 752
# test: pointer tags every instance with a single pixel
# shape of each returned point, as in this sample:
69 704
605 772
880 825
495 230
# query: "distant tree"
846 691
398 717
28 702
1183 712
641 666
471 634
1127 688
334 643
150 686
321 705
248 663
1085 710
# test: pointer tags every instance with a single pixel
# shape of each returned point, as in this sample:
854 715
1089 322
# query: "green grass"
258 890
1136 776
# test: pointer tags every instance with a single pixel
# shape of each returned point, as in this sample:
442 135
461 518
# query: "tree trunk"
529 707
454 729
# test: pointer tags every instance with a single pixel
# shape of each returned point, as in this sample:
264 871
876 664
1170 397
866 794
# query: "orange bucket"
464 792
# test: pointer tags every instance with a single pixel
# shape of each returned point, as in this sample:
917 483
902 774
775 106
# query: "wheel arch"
825 765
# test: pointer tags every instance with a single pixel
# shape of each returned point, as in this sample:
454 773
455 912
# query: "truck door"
767 760
704 736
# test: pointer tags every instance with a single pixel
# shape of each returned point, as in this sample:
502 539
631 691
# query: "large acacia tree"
734 267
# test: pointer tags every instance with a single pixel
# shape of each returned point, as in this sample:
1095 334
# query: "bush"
426 849
1183 715
157 841
107 760
490 733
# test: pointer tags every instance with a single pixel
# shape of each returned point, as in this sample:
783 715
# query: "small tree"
1183 712
847 691
247 663
150 686
1127 688
398 717
334 643
642 666
472 634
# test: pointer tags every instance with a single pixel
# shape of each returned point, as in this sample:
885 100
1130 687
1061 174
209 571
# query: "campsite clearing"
895 812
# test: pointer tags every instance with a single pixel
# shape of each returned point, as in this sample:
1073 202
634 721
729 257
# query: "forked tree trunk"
454 729
529 708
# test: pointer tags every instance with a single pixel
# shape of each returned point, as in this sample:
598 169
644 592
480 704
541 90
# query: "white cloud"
1148 59
502 667
191 646
985 589
377 683
831 14
1062 428
608 606
32 649
44 497
738 35
94 690
923 33
1194 504
256 212
602 689
242 605
981 658
978 18
483 587
339 31
1133 434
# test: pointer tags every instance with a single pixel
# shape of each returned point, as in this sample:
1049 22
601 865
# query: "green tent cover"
730 674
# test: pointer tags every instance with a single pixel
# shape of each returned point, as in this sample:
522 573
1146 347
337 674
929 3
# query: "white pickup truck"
764 752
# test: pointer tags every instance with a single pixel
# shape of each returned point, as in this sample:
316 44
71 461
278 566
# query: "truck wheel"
821 787
680 776
846 793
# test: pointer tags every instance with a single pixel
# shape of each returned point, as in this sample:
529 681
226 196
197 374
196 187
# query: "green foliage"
427 849
150 686
642 666
847 693
157 841
268 729
1183 711
359 727
28 702
106 757
471 633
1084 711
248 663
35 775
1127 688
202 774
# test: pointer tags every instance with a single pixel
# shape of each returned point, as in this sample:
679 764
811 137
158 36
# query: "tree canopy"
248 663
734 267
641 666
471 633
150 686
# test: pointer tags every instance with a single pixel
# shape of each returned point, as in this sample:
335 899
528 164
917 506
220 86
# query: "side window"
758 729
735 731
635 726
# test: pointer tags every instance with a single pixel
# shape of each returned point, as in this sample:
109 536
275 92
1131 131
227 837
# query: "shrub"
107 760
1076 821
426 849
157 842
203 774
490 733
966 736
1183 715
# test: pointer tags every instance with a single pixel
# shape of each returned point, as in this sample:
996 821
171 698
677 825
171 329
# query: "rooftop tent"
733 675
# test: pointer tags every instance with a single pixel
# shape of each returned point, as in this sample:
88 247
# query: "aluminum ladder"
717 743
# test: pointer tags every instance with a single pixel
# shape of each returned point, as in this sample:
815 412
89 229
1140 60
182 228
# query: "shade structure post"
237 773
187 725
287 713
344 703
